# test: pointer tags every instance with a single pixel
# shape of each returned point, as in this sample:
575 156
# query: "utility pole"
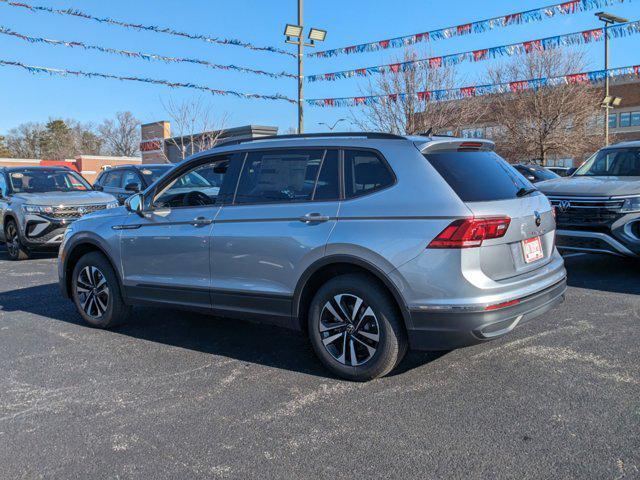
294 35
301 72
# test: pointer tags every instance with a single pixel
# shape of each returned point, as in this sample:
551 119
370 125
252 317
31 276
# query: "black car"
536 173
123 181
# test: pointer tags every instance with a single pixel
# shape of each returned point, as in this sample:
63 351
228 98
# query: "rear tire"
355 328
15 249
96 292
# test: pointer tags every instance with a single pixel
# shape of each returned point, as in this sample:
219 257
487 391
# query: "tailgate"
531 219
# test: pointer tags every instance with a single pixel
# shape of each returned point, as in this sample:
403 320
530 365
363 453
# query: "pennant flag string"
152 28
141 55
577 38
587 78
528 16
76 73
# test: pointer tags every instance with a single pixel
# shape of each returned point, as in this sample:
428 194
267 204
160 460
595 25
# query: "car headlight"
630 205
113 204
46 209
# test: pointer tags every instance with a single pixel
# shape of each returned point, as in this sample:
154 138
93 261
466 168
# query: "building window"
635 119
625 119
613 120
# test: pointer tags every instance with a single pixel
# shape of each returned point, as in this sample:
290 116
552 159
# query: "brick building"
624 122
158 146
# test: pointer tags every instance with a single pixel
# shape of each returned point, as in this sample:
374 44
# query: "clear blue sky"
26 97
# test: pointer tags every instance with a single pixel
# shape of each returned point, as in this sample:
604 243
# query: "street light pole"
300 72
609 102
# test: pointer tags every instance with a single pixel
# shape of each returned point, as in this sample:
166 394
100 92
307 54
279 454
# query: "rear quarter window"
478 176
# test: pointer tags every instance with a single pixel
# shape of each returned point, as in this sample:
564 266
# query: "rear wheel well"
326 273
76 254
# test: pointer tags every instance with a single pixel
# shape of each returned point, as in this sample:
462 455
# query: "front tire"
15 249
355 328
96 292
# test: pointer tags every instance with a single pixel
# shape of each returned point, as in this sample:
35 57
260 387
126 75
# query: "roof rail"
372 135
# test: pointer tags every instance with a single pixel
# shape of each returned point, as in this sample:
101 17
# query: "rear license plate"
532 249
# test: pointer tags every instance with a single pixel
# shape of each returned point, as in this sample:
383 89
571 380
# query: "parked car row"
369 243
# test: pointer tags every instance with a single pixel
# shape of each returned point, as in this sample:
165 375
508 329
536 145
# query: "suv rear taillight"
470 232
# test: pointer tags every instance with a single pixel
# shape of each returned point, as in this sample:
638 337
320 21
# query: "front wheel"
96 292
355 328
15 249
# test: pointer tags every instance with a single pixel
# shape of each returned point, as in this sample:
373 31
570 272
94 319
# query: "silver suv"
599 205
38 203
370 243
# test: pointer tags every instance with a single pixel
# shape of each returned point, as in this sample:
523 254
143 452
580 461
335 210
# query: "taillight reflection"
470 232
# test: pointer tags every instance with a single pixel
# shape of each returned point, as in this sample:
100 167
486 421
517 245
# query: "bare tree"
57 139
25 140
194 126
416 111
121 136
551 120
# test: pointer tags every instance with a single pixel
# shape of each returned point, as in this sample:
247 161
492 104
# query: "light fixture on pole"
331 127
609 102
294 34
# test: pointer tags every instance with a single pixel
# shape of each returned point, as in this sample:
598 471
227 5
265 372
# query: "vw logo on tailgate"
564 205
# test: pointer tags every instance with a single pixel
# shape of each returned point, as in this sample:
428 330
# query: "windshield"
479 176
46 180
151 174
618 162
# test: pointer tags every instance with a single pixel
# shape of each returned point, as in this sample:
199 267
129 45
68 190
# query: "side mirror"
132 187
98 188
134 204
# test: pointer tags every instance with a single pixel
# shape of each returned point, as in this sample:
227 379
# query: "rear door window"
478 176
365 172
288 175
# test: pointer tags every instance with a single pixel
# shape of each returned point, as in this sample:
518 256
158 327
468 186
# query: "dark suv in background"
123 181
535 173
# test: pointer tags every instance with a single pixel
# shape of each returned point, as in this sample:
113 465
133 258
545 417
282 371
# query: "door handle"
201 221
313 218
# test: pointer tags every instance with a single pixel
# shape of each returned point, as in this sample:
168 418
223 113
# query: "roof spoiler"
457 144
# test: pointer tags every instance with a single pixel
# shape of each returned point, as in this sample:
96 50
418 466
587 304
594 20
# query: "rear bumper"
449 328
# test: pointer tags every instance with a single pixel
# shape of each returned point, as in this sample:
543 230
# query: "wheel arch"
76 252
328 267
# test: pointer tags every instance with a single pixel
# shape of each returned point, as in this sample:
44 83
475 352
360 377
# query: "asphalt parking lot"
179 395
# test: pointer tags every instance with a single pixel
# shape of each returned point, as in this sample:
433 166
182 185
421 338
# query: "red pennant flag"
435 62
422 36
384 44
534 45
424 96
468 91
569 7
395 68
636 69
329 102
513 18
329 76
462 29
517 86
361 71
393 97
480 54
577 78
359 100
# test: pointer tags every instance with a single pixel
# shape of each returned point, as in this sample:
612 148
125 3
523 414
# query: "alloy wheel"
13 242
349 329
93 291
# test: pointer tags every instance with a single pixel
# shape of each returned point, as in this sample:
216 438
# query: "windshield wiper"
523 192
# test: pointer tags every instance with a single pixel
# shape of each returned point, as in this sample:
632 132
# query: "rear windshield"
478 176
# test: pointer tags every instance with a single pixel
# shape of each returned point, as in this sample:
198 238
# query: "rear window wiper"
523 192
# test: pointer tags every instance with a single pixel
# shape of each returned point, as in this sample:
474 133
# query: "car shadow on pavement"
603 272
245 341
